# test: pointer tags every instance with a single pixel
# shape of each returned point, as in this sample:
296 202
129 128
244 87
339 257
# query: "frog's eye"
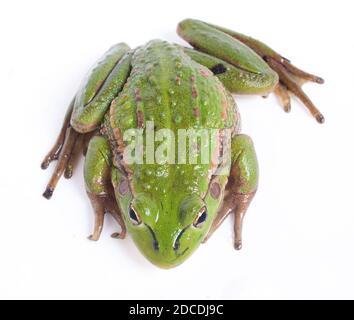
134 216
200 218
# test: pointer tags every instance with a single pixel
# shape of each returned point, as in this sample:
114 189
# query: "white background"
299 231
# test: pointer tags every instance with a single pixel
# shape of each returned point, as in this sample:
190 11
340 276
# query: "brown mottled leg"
53 154
99 211
241 186
233 203
223 213
65 153
242 202
67 149
79 149
117 215
103 204
97 173
75 156
113 209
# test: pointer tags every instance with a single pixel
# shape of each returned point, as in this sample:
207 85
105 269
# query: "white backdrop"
299 231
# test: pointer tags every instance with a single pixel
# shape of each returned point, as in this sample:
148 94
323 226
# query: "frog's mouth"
182 253
178 256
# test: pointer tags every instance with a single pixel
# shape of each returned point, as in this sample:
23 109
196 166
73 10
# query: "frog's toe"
291 80
284 97
118 235
48 193
64 159
75 156
54 152
238 244
103 205
93 237
115 212
99 212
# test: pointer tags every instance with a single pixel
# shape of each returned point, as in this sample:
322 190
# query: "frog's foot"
103 204
245 65
54 153
64 160
68 148
242 202
241 186
291 80
237 204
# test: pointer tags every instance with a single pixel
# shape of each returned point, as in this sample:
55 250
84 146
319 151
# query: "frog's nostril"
176 244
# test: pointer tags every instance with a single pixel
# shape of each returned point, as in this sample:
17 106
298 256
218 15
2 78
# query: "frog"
169 208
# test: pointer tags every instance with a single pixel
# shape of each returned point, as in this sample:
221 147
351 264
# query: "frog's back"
167 87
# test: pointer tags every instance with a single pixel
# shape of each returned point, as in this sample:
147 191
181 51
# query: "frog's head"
167 229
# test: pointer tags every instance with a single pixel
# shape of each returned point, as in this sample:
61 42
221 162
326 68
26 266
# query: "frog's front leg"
97 173
241 186
245 65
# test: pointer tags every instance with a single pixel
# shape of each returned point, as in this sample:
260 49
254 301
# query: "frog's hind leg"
245 65
241 186
63 150
292 80
86 111
97 173
54 152
75 156
79 149
67 150
68 157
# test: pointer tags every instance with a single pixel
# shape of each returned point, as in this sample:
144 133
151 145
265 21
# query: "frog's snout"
171 252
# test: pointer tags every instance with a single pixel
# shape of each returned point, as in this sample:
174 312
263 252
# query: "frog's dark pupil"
132 215
202 217
218 69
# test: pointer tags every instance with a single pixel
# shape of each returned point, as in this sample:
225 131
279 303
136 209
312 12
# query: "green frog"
136 101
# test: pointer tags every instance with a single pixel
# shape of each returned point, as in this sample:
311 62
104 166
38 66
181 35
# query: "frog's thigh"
247 72
236 80
103 83
97 174
241 186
